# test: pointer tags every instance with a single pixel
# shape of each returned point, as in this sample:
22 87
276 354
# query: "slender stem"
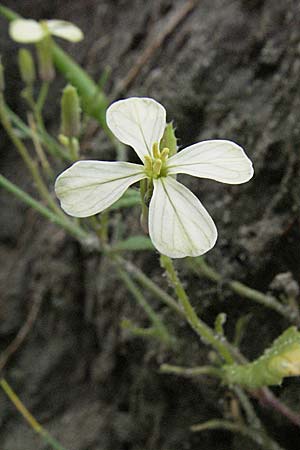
199 265
38 147
266 397
200 327
191 371
34 424
266 300
69 226
150 285
151 332
152 315
42 96
9 14
73 148
52 146
260 438
94 100
31 165
252 417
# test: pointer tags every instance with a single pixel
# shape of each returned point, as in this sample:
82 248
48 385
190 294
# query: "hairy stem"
191 371
199 266
200 327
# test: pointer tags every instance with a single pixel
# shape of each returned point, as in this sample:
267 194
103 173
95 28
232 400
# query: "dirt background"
230 70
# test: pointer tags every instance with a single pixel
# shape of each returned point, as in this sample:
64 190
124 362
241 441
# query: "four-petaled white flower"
179 225
29 31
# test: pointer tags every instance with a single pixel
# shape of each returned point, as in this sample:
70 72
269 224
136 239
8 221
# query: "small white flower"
179 225
29 31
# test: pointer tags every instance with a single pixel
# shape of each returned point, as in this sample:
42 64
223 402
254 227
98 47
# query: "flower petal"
179 225
138 122
65 30
219 160
89 187
26 31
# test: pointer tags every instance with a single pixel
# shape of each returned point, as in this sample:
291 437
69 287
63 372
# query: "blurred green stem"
65 223
259 438
31 165
34 424
162 331
94 100
147 283
54 148
191 371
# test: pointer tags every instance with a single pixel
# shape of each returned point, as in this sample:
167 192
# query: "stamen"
155 151
164 154
157 167
148 163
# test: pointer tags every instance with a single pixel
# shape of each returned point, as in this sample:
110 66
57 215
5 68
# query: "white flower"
29 31
179 225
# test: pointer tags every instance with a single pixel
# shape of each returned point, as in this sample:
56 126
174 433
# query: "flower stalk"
204 331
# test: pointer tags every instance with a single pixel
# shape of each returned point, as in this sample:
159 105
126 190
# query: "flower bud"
70 112
26 66
44 53
169 139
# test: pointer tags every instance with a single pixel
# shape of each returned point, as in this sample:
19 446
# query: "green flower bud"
70 112
26 66
44 53
169 139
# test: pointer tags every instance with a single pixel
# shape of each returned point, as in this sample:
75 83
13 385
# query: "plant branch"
34 424
191 371
258 437
152 315
200 327
200 266
69 226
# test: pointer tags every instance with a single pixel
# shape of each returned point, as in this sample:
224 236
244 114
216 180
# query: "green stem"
200 327
73 148
151 332
69 226
8 13
39 148
154 318
199 265
54 148
31 165
191 371
148 284
42 97
94 101
251 415
260 438
34 424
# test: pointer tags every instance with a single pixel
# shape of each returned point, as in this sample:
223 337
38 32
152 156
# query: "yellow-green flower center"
155 166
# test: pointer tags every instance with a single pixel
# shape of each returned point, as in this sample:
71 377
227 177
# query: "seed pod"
281 360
